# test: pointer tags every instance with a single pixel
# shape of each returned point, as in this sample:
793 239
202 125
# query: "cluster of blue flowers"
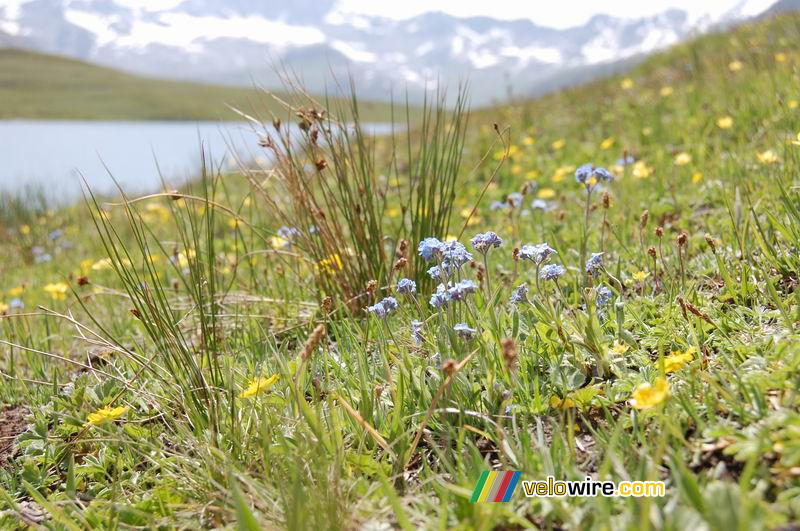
538 254
590 175
383 308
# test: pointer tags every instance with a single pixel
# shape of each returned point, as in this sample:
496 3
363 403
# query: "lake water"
57 155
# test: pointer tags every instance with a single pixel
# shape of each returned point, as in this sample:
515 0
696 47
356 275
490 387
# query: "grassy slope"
726 440
39 86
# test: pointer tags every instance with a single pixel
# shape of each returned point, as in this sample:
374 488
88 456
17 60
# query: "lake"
56 155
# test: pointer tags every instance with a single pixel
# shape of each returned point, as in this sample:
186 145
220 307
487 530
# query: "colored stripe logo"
495 486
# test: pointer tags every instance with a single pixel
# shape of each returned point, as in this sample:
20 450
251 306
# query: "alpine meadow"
601 282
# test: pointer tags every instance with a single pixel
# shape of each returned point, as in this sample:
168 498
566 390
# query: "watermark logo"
495 486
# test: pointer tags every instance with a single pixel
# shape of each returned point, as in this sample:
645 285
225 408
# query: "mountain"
241 41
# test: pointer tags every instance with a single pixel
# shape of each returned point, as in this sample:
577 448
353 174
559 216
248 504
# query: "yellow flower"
676 360
546 193
276 242
641 169
233 223
3 307
767 157
16 292
105 414
559 403
792 104
558 144
626 84
58 290
665 92
330 264
640 275
648 395
25 229
513 150
780 57
735 66
102 265
647 131
516 169
619 348
797 142
725 122
697 177
562 172
528 141
259 385
607 143
682 159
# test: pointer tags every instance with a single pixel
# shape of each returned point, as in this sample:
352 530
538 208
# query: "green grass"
181 308
49 87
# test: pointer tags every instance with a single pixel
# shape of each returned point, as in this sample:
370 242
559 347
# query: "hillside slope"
40 86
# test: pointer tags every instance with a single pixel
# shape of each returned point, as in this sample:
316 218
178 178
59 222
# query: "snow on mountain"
236 41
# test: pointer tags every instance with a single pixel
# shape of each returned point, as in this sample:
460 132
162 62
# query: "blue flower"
440 298
485 241
461 290
416 332
454 253
594 263
16 304
288 233
626 161
551 272
602 296
436 271
41 258
514 199
430 249
537 254
540 204
56 234
464 331
406 286
520 294
589 175
498 205
384 308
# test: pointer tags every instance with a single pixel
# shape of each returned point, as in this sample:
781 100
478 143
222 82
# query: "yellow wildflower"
792 104
3 307
105 414
697 177
16 292
626 84
102 265
665 92
559 403
233 223
57 290
259 385
735 66
619 348
641 169
648 395
767 157
546 193
780 57
676 360
725 122
330 264
25 229
682 159
558 144
797 142
528 141
607 143
647 131
640 275
276 242
562 172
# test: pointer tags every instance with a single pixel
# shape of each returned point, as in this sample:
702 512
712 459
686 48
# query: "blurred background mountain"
239 42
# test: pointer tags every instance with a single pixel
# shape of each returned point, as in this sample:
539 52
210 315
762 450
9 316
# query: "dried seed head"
327 304
659 231
402 248
83 280
372 285
480 273
561 215
400 264
313 342
682 238
606 200
510 354
136 313
276 123
651 251
449 367
711 243
266 142
321 164
515 254
644 218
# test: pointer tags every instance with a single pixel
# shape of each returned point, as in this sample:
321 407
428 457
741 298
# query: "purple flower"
594 263
464 331
485 241
454 253
514 199
406 286
602 296
537 254
440 298
462 289
288 233
589 175
551 272
498 205
416 332
16 304
436 271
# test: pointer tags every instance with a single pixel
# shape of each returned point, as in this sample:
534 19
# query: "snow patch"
354 51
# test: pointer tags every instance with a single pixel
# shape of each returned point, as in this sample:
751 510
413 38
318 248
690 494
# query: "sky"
561 14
